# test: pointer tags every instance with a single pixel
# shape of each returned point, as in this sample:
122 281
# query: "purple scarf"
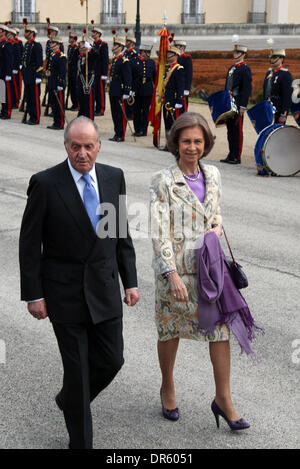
219 301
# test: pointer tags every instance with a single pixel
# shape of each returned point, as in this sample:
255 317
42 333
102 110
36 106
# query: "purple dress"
198 186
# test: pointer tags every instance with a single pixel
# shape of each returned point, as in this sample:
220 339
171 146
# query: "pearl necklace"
192 179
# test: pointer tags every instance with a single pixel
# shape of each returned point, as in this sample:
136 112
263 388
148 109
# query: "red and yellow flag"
157 97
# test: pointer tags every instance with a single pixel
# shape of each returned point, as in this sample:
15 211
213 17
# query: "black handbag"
236 270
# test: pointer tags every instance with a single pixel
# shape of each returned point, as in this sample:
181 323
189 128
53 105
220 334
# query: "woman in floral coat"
185 204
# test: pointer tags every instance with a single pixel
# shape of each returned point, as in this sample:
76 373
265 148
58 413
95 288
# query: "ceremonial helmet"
129 37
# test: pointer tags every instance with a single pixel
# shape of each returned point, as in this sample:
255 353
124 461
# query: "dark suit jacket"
61 257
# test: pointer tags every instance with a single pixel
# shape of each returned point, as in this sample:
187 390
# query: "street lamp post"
138 26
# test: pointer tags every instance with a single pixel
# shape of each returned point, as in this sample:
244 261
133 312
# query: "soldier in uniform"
20 54
186 61
32 70
119 88
132 55
144 73
239 84
278 86
57 83
174 83
6 56
130 52
86 88
16 61
73 55
101 70
52 32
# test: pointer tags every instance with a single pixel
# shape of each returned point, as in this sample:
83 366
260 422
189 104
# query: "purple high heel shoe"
240 424
169 414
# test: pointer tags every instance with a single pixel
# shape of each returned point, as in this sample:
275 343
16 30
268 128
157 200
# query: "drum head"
281 151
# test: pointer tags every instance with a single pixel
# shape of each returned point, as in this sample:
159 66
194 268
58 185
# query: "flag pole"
87 37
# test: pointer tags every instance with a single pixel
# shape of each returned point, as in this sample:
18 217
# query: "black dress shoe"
73 108
234 161
226 160
54 127
4 117
139 134
116 139
164 148
32 123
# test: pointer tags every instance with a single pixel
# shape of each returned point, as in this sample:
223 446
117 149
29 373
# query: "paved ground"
262 220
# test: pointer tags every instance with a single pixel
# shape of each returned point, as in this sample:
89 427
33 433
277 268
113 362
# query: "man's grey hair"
83 120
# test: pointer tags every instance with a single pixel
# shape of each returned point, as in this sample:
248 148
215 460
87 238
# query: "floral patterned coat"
178 218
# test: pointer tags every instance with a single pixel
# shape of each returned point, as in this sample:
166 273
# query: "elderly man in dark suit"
70 268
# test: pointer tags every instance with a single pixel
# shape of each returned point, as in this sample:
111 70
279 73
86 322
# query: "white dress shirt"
80 183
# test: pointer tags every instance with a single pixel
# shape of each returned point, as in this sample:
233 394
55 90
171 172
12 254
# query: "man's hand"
131 296
38 309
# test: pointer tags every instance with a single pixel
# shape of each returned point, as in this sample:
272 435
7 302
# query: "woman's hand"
177 288
217 230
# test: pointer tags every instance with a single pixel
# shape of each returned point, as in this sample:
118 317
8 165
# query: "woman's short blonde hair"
186 121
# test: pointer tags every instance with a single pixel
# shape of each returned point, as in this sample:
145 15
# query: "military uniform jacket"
73 55
48 51
186 61
57 68
19 45
16 54
174 85
144 74
81 67
131 54
278 88
6 58
32 62
120 76
102 61
239 82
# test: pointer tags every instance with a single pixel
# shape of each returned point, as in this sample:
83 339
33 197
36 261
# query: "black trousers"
99 94
32 93
92 355
235 137
140 113
58 105
170 116
118 116
86 102
72 84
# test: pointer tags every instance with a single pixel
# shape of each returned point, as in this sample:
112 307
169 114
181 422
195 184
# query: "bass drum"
259 147
281 151
277 150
